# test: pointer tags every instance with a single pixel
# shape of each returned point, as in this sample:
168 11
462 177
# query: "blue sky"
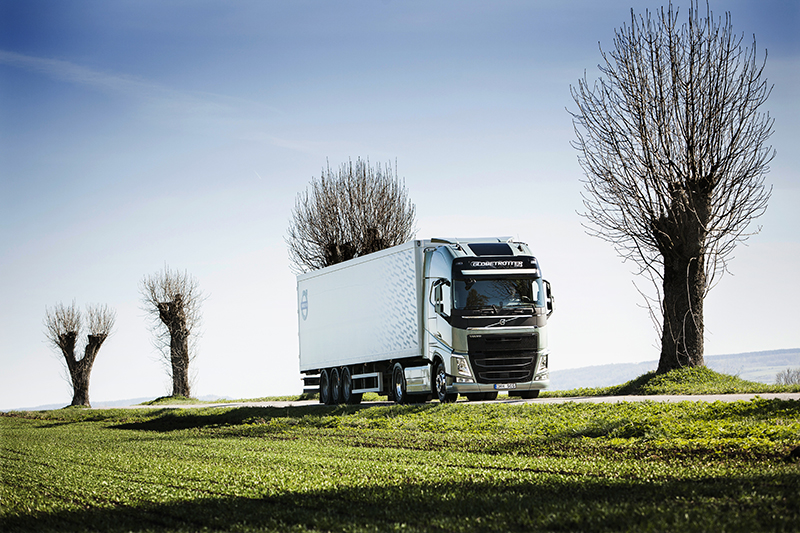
138 134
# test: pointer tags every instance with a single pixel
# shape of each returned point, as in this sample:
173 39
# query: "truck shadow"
546 503
165 420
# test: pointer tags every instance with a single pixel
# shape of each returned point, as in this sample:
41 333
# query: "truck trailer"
426 319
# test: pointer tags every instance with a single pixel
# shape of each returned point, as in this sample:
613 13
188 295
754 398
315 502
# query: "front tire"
440 385
526 394
482 396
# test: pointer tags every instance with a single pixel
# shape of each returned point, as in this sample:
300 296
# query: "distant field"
457 467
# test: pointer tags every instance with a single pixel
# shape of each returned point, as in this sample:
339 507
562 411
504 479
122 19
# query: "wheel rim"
441 382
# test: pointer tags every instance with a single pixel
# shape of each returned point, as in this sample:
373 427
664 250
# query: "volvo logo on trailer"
304 304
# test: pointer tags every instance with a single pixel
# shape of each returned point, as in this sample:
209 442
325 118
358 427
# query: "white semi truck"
426 319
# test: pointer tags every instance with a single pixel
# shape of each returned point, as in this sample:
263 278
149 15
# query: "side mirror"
550 299
438 304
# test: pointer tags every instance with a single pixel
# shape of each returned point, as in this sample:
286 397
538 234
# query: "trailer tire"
325 387
347 388
336 387
440 384
399 384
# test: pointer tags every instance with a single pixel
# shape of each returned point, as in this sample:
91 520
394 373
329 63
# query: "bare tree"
790 376
348 214
63 329
172 299
672 143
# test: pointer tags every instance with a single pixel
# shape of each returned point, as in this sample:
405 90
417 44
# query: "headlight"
462 367
543 363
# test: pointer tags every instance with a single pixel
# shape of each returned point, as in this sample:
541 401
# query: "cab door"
438 300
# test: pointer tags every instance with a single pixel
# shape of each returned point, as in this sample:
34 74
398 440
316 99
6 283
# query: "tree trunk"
80 370
173 315
80 386
179 356
682 334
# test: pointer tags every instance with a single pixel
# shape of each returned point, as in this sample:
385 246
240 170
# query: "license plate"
505 386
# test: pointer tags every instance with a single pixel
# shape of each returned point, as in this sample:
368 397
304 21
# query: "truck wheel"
347 388
476 396
324 387
440 385
336 387
399 384
529 394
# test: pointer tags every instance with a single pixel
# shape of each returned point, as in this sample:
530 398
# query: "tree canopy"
350 213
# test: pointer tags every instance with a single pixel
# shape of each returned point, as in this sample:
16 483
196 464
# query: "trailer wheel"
347 388
399 384
440 385
324 387
476 396
490 396
336 387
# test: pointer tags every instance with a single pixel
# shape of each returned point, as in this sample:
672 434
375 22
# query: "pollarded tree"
172 299
63 327
673 144
354 212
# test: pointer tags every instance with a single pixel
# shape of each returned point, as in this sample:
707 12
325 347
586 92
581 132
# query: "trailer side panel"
364 310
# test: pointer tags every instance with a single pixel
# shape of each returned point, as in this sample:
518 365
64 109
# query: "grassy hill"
760 367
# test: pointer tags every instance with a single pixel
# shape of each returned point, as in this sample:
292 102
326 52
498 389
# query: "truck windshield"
497 292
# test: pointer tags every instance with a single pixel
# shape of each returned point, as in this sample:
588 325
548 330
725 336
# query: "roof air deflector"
490 248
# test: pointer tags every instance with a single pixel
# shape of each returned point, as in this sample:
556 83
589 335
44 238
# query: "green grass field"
690 466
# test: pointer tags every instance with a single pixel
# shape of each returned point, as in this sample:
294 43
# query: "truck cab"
486 316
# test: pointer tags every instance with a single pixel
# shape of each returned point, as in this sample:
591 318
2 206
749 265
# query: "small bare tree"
63 329
348 214
790 376
672 142
172 299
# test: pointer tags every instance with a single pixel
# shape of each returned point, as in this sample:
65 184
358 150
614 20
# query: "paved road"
583 399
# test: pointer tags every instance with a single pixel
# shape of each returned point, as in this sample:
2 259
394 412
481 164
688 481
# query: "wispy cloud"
193 104
70 72
197 111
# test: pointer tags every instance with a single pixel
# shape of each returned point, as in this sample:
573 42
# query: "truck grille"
502 358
